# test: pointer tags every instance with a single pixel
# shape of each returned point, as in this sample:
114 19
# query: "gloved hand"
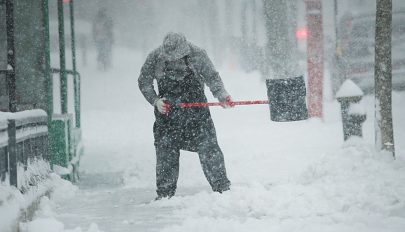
228 102
163 105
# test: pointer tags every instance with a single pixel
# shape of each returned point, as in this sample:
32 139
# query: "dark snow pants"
167 167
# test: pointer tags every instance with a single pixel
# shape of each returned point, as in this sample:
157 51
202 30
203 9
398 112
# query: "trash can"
287 99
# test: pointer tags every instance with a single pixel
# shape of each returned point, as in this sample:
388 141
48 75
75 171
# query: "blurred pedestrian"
181 70
103 37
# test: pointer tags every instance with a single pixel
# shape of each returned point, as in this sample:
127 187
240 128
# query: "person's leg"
167 170
108 54
98 49
103 57
213 164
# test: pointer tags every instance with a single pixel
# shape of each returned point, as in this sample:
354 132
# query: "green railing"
64 137
76 83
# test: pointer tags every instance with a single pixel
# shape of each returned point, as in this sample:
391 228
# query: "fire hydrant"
353 113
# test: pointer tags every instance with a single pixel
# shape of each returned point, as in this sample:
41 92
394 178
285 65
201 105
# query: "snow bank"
53 225
45 220
10 203
34 182
352 189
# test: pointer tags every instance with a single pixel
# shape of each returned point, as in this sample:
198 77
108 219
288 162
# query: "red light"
301 33
66 1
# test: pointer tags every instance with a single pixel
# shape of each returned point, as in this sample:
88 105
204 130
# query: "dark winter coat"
183 128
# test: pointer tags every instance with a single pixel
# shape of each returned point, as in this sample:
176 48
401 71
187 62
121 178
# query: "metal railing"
23 138
64 136
76 87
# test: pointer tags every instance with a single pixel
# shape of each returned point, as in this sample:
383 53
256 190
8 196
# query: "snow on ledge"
4 116
22 114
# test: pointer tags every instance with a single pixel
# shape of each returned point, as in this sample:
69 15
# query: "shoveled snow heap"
12 201
352 189
45 218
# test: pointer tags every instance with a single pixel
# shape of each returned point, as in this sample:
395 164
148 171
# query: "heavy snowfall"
286 176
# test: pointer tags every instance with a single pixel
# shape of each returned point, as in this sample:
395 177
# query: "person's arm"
145 80
212 78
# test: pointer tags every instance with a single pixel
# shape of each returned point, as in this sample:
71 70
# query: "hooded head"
175 46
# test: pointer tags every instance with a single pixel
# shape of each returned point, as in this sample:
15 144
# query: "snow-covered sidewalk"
297 176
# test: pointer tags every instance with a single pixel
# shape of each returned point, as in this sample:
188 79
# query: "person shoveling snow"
181 70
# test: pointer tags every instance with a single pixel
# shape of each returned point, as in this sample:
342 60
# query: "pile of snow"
34 182
53 225
45 217
352 189
45 220
10 203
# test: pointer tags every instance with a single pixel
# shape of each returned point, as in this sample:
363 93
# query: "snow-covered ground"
292 176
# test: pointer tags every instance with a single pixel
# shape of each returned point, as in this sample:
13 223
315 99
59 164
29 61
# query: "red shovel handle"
204 104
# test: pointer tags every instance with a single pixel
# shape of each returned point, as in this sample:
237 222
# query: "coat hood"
175 46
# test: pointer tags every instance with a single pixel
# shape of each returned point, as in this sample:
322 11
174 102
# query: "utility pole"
315 57
336 74
384 132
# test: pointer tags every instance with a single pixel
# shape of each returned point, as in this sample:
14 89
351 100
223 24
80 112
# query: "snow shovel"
287 100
